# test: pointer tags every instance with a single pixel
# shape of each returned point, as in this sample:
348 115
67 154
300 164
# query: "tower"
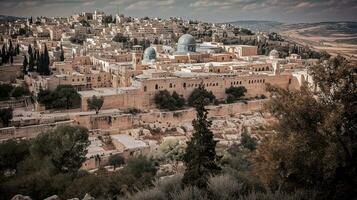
137 57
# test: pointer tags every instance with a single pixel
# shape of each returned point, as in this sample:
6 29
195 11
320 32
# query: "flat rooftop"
106 91
129 142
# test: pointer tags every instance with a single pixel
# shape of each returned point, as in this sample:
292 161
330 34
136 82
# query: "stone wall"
143 97
9 72
122 121
29 131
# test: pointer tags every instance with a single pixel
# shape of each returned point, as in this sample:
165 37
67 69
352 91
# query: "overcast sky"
205 10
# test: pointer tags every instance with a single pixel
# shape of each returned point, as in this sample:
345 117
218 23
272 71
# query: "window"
156 87
184 85
145 88
170 85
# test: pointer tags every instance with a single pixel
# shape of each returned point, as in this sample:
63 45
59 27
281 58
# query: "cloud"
206 10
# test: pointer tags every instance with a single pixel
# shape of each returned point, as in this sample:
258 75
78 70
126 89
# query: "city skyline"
205 10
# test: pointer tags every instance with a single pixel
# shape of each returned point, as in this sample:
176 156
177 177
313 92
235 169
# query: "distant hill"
4 18
324 28
255 25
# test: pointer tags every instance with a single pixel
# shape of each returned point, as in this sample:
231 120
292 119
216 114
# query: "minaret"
276 67
137 57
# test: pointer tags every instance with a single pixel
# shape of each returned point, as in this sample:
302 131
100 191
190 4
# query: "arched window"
249 81
170 85
156 87
145 88
184 85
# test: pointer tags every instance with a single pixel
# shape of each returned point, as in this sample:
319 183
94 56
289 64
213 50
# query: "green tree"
6 116
12 152
95 103
66 147
5 90
31 64
64 96
235 93
172 151
141 165
62 53
164 100
20 91
315 144
201 93
116 160
200 157
24 65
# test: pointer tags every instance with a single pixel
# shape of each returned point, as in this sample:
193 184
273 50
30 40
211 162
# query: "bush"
151 194
201 92
5 90
20 91
164 100
189 193
235 93
64 96
224 187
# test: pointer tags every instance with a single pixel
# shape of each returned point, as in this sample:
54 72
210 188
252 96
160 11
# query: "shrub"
224 187
189 193
201 92
164 100
235 93
20 91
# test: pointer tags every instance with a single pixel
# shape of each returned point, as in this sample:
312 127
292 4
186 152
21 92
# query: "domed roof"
274 53
186 43
187 39
149 54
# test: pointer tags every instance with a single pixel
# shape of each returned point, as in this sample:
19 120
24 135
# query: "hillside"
333 37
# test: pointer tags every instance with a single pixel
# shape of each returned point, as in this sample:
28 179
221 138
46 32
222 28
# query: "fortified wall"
114 123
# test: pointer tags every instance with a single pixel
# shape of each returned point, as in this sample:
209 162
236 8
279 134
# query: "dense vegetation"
50 164
199 92
235 93
165 100
64 96
8 51
7 91
40 61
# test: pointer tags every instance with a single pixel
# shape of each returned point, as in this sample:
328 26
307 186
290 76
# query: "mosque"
186 68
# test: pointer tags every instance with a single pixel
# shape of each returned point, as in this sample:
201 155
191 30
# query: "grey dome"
186 43
274 54
149 54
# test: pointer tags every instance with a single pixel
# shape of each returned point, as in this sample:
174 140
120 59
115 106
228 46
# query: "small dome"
150 53
186 43
274 54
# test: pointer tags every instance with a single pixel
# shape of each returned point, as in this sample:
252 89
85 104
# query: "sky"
290 11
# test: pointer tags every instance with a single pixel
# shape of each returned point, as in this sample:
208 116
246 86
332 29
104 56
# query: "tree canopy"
95 103
164 100
201 93
315 145
64 96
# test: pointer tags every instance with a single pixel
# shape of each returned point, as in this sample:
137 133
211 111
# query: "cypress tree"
39 68
62 53
24 65
29 50
46 62
31 63
200 157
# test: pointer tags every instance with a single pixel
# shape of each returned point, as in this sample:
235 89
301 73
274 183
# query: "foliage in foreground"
200 158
